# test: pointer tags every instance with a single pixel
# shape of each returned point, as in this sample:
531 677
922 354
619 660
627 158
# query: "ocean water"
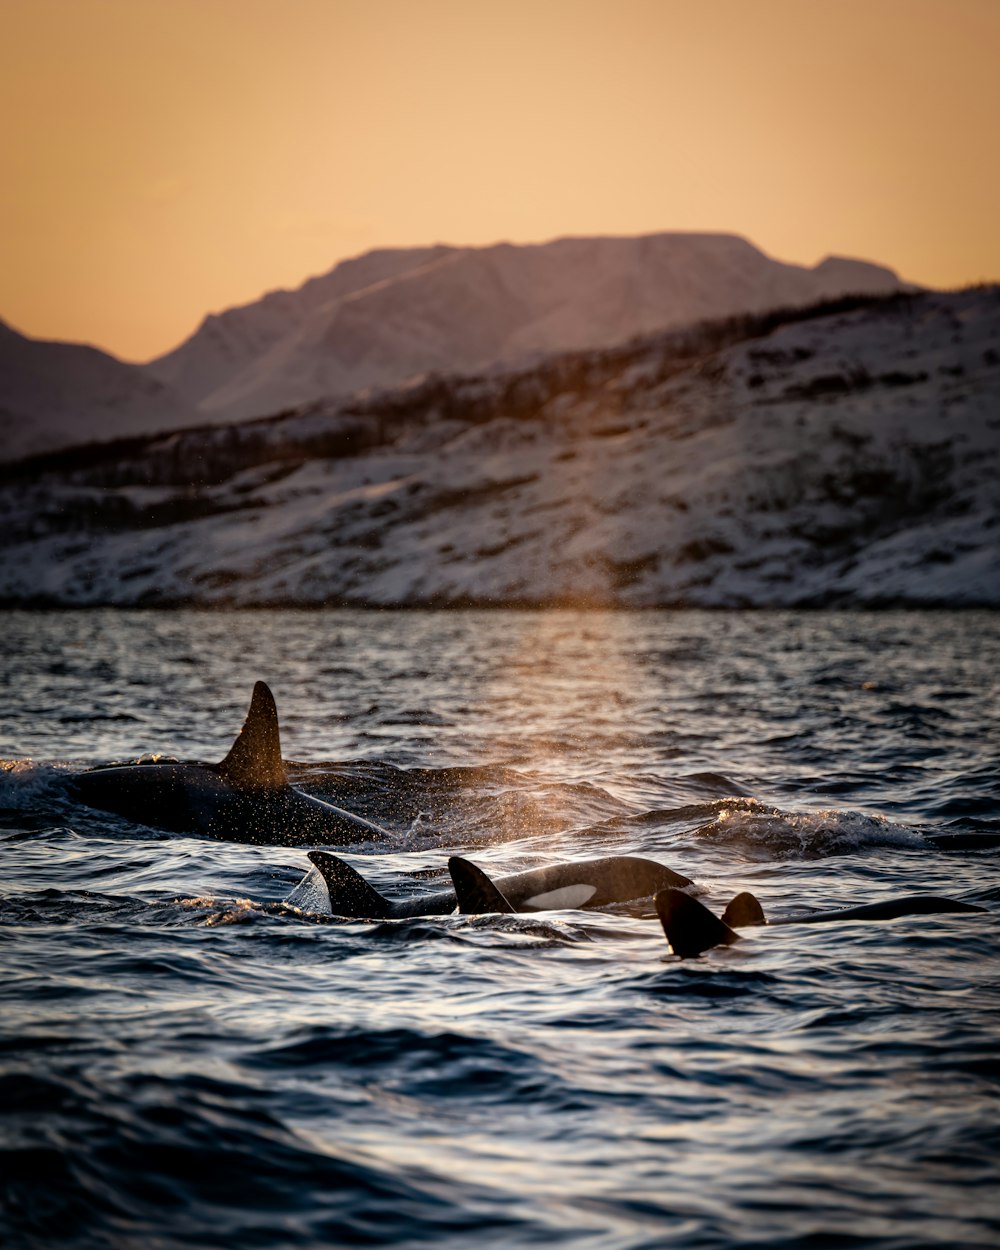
187 1060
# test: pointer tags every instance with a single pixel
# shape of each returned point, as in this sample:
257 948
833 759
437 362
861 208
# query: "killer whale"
585 884
581 883
691 928
244 798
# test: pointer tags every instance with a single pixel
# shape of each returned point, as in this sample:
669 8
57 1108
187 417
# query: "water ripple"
186 1058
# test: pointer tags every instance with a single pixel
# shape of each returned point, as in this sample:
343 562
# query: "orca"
245 798
691 928
582 883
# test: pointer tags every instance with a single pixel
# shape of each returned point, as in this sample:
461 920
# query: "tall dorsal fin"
254 761
477 895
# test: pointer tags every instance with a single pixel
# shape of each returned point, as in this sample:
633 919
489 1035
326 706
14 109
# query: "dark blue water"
187 1061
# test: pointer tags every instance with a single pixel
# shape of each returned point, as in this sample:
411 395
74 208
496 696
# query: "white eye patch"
568 896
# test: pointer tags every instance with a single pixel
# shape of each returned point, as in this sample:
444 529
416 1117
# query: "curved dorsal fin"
477 895
744 909
689 926
350 894
254 760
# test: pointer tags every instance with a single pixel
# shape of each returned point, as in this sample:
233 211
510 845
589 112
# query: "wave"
766 832
89 1160
24 783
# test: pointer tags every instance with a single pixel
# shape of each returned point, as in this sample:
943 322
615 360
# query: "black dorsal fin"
254 761
744 910
350 894
477 895
689 926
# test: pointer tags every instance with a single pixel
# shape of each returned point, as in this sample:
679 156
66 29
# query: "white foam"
311 893
806 835
22 781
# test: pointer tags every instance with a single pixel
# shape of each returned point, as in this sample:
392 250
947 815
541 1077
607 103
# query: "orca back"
165 795
588 883
891 909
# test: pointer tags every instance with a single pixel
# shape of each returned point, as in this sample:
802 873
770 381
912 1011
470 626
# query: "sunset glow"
165 159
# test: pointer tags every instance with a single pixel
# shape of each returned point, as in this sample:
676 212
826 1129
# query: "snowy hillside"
383 318
55 394
845 455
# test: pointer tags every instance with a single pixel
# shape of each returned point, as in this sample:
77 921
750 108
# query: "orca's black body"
691 928
245 798
582 883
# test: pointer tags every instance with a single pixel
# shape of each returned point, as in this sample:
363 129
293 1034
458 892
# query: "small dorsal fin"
743 910
477 895
350 894
254 761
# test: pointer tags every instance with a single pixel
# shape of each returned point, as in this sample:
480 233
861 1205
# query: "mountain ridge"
56 394
392 314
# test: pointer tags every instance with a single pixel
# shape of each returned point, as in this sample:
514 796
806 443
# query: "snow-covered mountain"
842 454
388 316
56 394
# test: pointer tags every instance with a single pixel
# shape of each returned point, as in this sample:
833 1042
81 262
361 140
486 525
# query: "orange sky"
165 158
